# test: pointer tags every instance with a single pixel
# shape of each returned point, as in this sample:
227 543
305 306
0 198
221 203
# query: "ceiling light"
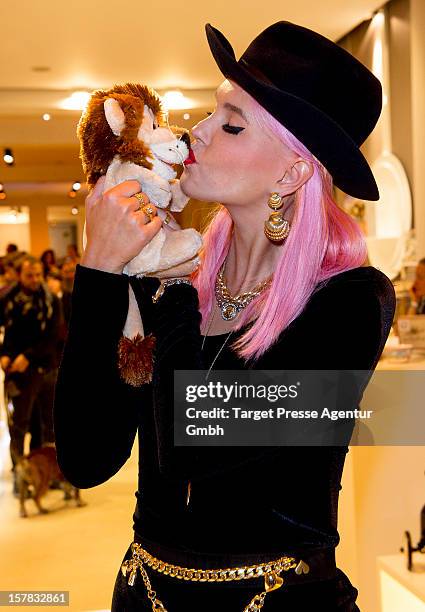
76 186
186 116
74 210
72 193
76 101
175 100
8 157
378 19
14 215
46 117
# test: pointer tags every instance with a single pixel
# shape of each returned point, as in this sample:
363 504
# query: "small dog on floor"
35 472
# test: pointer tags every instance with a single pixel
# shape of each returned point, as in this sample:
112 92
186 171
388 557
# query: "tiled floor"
72 549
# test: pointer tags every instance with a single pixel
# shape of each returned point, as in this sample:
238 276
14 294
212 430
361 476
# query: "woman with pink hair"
280 284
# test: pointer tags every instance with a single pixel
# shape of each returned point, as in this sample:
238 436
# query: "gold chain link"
270 571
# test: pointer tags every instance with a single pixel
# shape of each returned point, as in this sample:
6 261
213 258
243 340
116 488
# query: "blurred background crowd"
35 306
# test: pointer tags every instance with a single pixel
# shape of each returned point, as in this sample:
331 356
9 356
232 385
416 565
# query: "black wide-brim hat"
321 93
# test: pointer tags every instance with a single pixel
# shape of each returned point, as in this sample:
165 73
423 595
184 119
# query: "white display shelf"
401 590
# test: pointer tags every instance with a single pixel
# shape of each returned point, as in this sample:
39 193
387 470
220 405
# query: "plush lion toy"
124 135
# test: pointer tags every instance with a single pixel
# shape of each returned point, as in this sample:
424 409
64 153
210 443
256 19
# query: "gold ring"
149 211
167 218
139 197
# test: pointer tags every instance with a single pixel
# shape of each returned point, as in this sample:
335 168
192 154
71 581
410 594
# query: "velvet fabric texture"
265 500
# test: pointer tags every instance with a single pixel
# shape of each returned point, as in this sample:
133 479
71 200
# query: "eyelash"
230 129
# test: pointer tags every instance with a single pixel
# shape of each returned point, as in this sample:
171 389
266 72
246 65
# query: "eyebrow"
235 109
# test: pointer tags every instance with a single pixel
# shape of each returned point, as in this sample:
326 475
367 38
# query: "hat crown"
309 66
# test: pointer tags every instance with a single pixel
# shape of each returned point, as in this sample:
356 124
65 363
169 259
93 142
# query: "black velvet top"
243 499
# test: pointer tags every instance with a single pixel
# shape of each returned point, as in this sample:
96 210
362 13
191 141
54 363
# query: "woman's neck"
252 257
249 261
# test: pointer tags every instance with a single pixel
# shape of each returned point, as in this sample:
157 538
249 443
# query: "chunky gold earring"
276 228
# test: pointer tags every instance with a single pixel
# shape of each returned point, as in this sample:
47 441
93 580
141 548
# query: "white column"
417 21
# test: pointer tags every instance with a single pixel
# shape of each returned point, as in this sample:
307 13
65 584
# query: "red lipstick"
191 158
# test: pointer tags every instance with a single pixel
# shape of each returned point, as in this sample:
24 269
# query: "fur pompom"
135 359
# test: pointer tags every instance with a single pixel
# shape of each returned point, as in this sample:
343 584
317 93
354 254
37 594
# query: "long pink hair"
323 241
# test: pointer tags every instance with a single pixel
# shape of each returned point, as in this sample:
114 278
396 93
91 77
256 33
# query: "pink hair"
323 241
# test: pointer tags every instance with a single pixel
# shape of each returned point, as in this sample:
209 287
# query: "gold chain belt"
270 570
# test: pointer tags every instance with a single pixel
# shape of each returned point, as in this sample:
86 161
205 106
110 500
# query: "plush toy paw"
179 247
179 199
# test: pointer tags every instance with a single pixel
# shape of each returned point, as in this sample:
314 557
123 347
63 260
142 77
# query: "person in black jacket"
218 528
28 356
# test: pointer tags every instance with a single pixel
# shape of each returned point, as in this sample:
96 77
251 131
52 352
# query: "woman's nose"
199 134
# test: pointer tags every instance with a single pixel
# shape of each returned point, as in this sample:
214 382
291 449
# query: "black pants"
31 395
336 595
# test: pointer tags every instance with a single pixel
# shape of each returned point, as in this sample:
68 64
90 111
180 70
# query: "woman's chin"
187 186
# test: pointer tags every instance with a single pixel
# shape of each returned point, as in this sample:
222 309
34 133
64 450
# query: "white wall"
18 233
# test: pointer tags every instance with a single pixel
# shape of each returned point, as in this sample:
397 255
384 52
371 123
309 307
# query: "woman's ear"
295 176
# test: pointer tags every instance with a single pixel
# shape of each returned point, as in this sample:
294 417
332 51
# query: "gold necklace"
231 305
222 347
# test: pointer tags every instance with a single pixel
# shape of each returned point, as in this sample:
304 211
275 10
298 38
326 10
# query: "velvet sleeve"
347 322
95 413
176 326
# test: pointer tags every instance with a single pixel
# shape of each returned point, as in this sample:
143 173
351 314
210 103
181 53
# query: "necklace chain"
231 305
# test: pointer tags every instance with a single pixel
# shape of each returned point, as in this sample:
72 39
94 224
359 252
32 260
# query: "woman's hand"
116 230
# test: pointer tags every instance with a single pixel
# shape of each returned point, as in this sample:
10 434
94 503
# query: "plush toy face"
127 122
164 147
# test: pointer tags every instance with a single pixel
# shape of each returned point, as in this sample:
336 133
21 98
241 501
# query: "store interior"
71 50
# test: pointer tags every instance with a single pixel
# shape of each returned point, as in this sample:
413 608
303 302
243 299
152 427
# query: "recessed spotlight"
3 195
8 157
74 210
186 116
72 194
46 117
1 187
76 186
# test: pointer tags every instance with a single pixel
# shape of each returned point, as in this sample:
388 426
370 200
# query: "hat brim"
327 140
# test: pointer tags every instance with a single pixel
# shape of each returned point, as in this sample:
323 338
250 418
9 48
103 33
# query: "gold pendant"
124 567
272 581
302 568
229 311
132 578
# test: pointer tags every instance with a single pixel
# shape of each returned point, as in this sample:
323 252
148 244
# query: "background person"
48 259
29 357
417 291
